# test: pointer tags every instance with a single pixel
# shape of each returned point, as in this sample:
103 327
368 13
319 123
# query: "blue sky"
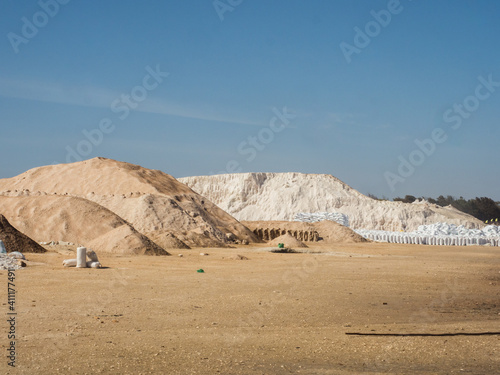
232 65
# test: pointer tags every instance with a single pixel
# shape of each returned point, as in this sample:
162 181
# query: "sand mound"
71 219
126 240
333 232
17 241
327 231
149 200
99 176
280 196
167 240
288 240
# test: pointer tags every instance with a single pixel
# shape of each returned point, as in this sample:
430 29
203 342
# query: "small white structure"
81 257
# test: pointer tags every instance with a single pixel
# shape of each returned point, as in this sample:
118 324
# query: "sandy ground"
271 314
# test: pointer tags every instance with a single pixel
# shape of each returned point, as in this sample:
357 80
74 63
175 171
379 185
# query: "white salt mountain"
280 196
150 201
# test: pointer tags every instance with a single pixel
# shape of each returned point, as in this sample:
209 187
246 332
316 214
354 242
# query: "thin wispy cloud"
162 107
97 97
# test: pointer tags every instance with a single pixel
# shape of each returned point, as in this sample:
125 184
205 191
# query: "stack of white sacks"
81 259
307 217
438 234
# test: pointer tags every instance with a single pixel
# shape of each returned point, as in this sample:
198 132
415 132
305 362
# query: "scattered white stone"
8 263
17 255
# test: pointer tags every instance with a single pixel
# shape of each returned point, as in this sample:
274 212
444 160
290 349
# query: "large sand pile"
289 241
15 240
327 231
280 196
147 199
71 219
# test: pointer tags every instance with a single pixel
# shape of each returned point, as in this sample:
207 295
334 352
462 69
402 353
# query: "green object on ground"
200 271
281 245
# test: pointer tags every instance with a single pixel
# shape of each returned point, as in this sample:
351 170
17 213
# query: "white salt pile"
279 196
438 234
313 217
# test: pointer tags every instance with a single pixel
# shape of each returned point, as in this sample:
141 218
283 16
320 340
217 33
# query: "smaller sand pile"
288 240
17 241
333 232
126 240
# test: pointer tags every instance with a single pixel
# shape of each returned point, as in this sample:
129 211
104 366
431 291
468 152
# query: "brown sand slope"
15 240
149 200
71 219
167 240
288 240
327 231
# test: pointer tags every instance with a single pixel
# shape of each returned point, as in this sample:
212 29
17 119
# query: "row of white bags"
313 217
423 239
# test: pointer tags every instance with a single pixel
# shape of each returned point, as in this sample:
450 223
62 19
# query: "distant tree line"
481 208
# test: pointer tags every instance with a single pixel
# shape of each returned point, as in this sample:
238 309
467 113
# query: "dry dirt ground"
270 314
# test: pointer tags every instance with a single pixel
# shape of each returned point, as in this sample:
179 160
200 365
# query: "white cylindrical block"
81 257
